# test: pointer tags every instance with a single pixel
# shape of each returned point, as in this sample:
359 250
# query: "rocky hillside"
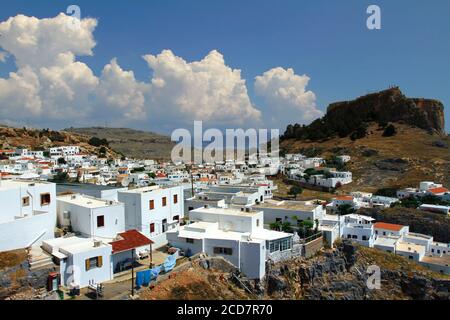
333 274
402 160
341 274
132 143
418 221
37 139
350 117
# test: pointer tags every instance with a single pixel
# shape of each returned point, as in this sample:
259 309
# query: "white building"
92 217
28 213
409 250
291 211
82 261
359 228
235 234
64 151
390 229
153 210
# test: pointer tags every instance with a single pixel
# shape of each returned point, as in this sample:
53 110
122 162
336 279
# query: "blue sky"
326 40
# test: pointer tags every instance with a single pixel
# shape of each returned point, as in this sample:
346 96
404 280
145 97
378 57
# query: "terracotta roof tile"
388 226
130 239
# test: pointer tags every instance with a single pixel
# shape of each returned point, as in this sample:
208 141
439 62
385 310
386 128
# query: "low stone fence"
303 248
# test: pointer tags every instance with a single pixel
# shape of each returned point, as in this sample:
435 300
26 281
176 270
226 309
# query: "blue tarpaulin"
144 277
169 263
154 272
140 278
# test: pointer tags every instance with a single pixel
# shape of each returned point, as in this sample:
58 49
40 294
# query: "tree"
102 150
286 226
62 161
389 131
275 225
345 209
97 142
60 177
294 191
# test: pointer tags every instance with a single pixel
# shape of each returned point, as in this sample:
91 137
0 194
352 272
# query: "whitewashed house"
153 210
359 228
235 234
82 261
91 217
291 211
28 213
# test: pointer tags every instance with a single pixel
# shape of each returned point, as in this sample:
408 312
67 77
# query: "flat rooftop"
72 244
409 247
75 187
12 184
288 205
227 211
441 261
386 241
148 189
418 236
86 201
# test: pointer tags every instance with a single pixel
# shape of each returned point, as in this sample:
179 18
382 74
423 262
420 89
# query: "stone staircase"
38 258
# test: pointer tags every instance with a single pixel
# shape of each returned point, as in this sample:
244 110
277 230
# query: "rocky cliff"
341 274
391 105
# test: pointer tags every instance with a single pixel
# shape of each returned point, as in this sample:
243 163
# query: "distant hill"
43 139
350 118
130 142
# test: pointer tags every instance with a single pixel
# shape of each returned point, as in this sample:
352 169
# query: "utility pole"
192 180
132 272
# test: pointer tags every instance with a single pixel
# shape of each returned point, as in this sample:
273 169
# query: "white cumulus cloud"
206 90
122 93
286 96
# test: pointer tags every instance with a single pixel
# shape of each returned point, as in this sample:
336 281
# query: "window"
354 236
100 221
25 201
191 208
257 222
411 258
95 262
432 250
177 218
384 233
225 251
164 201
152 227
152 204
364 238
189 240
175 198
349 236
45 199
278 220
66 215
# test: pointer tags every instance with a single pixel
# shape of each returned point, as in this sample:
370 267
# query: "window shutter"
88 264
100 261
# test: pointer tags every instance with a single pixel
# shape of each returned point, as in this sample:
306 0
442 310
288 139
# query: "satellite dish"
125 182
